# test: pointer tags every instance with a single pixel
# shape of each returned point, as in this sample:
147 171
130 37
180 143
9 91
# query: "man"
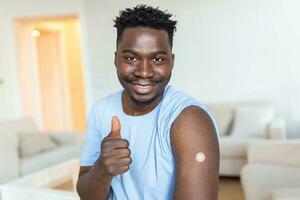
148 141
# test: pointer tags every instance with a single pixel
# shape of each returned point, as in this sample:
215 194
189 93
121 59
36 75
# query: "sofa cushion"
46 159
252 121
235 147
31 144
224 116
259 180
286 193
63 138
10 128
277 152
9 164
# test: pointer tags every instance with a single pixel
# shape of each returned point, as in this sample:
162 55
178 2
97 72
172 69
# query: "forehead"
144 39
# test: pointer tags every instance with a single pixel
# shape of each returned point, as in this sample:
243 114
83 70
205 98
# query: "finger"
117 153
121 170
115 128
117 166
117 171
123 153
110 144
116 163
123 162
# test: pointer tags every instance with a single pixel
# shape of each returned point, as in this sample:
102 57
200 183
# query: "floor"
229 189
66 186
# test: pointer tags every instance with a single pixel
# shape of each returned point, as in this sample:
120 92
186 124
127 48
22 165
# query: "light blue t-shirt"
151 174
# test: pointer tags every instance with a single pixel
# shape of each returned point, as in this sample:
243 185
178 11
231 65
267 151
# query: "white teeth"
144 86
144 83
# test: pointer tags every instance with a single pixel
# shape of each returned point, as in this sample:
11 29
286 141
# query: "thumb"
115 127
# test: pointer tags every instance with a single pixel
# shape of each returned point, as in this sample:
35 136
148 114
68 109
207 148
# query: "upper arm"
84 170
193 131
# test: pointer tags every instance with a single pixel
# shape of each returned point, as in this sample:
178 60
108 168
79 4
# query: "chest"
151 158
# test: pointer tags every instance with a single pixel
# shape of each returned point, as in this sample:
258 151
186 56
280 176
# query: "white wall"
10 99
225 50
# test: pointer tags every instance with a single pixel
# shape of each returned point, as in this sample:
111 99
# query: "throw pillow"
223 116
252 121
31 144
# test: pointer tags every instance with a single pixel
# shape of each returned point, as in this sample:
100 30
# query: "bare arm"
193 132
93 184
94 181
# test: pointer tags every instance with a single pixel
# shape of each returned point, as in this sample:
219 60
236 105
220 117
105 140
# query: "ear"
172 60
115 59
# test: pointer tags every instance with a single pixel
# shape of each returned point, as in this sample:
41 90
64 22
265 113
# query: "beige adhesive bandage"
200 157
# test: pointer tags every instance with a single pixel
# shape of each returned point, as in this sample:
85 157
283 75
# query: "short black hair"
145 16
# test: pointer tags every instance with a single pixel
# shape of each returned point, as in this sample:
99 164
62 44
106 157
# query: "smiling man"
148 141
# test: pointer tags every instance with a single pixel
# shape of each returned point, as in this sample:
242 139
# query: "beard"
159 84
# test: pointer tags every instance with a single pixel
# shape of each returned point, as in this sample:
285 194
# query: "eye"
158 59
131 58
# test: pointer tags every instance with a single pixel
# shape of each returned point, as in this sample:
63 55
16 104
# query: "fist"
115 154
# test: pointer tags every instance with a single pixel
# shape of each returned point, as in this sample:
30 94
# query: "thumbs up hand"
115 154
115 128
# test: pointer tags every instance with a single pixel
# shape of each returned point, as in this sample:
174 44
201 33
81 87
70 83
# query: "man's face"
144 63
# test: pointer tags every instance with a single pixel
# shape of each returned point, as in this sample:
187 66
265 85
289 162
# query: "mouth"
143 88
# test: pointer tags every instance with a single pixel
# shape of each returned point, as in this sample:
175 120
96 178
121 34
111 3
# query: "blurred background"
240 57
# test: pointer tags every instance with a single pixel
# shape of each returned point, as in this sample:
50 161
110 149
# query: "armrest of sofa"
285 193
9 158
68 138
9 163
281 152
277 129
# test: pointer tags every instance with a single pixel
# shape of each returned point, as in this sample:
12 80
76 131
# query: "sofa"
273 171
50 187
241 124
24 149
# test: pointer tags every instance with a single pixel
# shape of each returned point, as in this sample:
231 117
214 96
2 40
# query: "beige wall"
225 50
10 101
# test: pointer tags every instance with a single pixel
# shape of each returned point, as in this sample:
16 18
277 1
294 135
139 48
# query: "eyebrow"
134 52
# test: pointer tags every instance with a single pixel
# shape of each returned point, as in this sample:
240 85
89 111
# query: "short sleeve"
91 150
176 104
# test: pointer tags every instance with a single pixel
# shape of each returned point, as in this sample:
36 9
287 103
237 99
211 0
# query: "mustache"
137 81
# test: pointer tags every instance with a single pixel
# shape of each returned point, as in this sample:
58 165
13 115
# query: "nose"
144 70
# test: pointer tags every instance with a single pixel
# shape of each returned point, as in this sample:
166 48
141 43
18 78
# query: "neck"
135 108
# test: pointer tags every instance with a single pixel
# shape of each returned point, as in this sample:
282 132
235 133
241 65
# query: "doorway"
51 72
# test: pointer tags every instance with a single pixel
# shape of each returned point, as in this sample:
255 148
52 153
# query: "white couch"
273 171
19 157
49 187
241 124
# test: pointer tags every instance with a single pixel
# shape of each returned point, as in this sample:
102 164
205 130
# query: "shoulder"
175 102
188 117
109 101
195 117
174 96
178 107
174 99
194 129
102 106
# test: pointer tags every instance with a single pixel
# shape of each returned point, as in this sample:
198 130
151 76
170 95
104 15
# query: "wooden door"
54 96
